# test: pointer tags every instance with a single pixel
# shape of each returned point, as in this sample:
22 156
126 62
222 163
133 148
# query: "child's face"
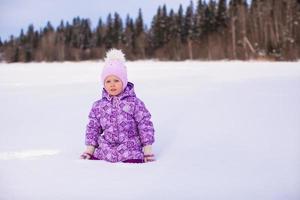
113 85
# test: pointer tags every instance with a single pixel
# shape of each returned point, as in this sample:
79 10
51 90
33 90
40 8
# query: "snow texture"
224 130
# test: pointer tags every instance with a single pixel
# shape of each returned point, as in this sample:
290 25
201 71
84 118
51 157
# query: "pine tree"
164 24
60 42
139 23
180 22
61 27
199 19
75 34
188 22
221 18
109 33
22 37
48 28
29 49
60 33
129 38
68 34
47 46
140 36
12 54
174 37
209 25
36 39
188 28
173 26
117 31
100 33
86 33
157 36
30 34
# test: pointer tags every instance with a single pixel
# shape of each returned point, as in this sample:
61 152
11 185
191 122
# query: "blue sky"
18 14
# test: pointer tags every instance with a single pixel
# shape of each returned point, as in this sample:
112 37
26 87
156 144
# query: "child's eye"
116 81
107 81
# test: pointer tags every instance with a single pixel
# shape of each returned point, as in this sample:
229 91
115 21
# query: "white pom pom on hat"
115 54
115 65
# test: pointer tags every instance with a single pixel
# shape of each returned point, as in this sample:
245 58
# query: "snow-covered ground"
224 130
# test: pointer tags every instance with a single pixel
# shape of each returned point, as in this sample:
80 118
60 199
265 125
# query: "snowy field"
224 131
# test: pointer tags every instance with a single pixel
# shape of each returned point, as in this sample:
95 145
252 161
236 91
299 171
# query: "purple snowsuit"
119 127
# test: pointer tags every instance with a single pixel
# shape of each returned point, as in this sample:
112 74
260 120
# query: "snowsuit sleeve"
144 123
93 129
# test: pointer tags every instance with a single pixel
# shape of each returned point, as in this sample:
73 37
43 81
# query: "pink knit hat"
115 65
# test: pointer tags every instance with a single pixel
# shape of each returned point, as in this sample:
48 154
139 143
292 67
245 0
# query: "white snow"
224 130
28 154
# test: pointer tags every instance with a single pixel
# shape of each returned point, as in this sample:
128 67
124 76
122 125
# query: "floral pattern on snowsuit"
119 126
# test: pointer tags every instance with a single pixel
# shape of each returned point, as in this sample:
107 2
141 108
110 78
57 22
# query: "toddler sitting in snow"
119 128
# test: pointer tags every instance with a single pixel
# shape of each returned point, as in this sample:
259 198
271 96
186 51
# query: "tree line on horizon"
213 30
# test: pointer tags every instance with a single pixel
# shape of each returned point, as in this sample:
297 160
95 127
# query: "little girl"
119 128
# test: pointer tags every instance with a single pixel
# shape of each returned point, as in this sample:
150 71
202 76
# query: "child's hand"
149 158
148 155
86 156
